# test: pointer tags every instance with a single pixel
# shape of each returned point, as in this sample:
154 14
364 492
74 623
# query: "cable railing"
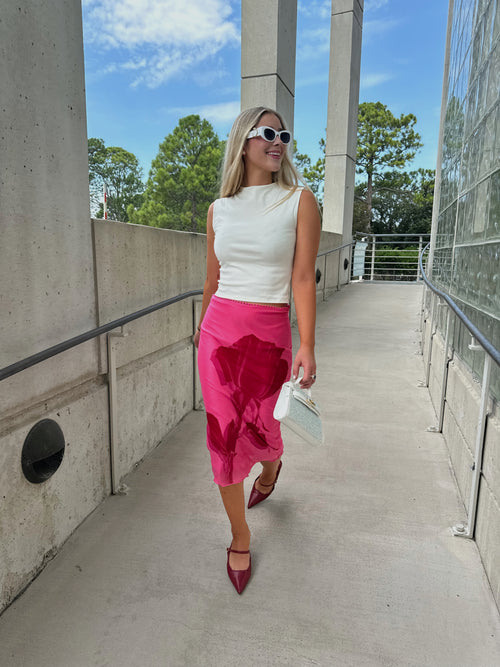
491 354
388 257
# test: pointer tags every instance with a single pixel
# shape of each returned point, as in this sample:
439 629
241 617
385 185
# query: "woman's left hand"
305 359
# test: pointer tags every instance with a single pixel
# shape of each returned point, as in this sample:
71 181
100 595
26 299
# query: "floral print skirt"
244 356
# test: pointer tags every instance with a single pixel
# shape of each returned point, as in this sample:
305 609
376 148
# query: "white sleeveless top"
255 243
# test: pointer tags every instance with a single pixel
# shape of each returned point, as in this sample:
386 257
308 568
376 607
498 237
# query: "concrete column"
268 37
343 98
46 261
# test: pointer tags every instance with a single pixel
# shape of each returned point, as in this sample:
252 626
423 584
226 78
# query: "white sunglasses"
270 134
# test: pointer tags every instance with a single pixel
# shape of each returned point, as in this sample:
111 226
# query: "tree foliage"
183 179
314 174
383 141
122 174
401 203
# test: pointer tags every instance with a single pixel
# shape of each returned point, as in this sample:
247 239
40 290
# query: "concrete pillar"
343 98
268 37
46 260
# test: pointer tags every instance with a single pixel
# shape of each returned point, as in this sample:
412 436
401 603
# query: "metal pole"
105 201
373 259
431 337
113 409
324 281
459 529
338 272
419 252
444 377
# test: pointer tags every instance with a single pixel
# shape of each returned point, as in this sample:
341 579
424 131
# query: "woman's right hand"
196 338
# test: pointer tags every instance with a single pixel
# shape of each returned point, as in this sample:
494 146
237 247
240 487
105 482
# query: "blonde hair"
233 170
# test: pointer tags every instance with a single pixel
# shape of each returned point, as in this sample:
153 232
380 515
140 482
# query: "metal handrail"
491 353
37 358
340 247
474 331
34 359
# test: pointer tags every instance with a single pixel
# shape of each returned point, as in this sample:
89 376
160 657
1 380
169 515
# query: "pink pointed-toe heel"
239 578
256 496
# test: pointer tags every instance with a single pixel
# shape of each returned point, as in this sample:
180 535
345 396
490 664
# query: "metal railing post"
372 272
459 529
113 409
419 253
444 376
324 281
425 383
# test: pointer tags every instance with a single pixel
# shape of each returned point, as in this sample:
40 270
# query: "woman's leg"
234 503
267 476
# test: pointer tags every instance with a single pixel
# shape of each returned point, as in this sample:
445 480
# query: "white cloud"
171 36
313 43
220 114
132 23
373 5
372 80
320 8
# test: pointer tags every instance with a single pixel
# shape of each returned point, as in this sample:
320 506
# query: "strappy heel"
256 496
239 578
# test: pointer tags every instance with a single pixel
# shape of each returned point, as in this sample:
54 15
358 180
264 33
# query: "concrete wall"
135 267
47 288
459 430
138 266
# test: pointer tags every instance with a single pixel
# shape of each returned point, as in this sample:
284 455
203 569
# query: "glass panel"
486 164
494 77
467 253
481 210
489 299
493 229
496 25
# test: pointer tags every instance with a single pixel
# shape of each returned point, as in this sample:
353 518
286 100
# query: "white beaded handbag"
296 409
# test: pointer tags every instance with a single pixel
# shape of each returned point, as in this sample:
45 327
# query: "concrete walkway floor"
354 561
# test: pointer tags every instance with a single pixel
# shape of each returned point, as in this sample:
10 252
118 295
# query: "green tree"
383 141
360 219
122 174
97 158
183 180
314 174
402 202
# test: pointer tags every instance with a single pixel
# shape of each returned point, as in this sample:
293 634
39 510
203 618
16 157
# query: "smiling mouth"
274 155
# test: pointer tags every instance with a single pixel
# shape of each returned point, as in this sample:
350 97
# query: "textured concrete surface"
268 71
343 98
354 560
46 264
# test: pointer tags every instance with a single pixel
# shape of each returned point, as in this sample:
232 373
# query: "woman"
262 232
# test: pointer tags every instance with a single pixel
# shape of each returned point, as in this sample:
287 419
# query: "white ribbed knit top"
255 243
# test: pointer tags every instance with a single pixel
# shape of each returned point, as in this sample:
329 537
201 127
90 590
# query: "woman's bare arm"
304 284
212 279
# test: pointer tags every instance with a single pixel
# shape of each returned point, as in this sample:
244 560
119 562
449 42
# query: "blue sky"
150 62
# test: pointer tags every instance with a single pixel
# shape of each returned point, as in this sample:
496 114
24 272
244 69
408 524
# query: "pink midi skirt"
244 356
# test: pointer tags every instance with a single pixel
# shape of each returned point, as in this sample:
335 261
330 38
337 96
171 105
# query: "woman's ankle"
269 472
241 537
